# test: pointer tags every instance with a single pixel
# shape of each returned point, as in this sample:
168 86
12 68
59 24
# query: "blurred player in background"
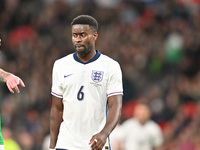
86 93
12 83
140 132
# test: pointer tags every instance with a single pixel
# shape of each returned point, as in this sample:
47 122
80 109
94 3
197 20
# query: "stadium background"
155 41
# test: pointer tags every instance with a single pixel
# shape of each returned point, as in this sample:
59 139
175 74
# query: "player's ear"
95 35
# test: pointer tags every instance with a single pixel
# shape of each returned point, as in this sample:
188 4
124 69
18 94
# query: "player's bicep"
57 103
115 102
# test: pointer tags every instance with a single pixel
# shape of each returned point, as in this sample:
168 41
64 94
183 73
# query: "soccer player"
86 93
12 83
140 132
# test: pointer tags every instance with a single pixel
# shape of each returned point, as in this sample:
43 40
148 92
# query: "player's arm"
113 116
55 120
3 75
158 140
11 80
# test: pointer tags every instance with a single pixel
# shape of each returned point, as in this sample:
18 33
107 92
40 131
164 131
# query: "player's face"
142 113
83 38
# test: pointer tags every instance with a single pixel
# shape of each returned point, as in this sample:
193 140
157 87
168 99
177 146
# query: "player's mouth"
79 45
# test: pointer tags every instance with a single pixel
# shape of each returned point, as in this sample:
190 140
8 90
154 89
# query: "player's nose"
78 39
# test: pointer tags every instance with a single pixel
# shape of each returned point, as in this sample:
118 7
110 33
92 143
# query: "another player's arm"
158 141
3 75
55 120
11 80
113 116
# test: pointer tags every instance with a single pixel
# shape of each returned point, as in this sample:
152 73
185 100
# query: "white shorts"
1 147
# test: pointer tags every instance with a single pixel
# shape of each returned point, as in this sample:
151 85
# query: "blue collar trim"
91 60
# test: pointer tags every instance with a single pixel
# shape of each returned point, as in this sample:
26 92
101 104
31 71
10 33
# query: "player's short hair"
86 20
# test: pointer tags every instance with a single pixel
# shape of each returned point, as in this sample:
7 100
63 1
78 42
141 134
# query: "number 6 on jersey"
80 94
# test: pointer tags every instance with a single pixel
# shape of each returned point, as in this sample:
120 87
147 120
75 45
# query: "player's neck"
86 57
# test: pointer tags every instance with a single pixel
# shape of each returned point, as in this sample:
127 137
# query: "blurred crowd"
156 43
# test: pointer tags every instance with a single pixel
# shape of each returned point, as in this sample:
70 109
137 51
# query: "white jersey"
84 88
1 147
136 136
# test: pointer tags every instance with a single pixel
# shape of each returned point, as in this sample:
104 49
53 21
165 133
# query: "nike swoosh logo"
65 76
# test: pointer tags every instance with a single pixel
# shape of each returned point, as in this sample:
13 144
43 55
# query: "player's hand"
12 83
98 141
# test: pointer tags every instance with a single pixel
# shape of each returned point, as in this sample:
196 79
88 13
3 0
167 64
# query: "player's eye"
83 35
75 35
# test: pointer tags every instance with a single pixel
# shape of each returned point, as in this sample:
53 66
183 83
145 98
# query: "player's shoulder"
129 121
64 59
108 59
152 124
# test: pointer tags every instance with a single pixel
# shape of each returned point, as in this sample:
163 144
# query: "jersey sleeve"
158 136
114 86
56 89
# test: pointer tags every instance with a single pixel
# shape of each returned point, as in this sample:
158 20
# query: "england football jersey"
136 136
84 88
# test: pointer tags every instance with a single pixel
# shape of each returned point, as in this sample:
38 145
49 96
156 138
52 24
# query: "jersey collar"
91 60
